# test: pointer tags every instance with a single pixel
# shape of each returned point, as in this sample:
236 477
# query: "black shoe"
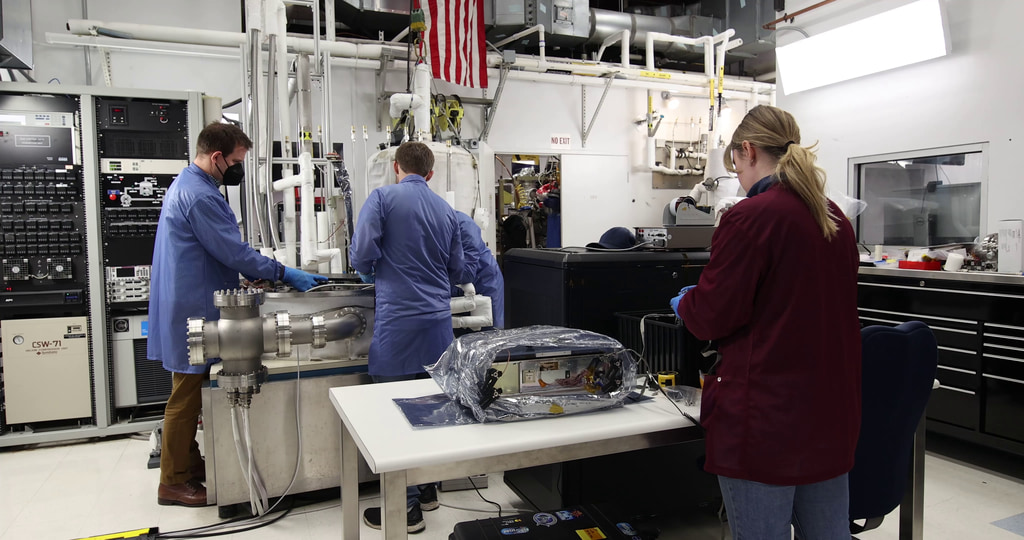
428 498
414 519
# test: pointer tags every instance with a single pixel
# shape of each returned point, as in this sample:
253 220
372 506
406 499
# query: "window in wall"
922 198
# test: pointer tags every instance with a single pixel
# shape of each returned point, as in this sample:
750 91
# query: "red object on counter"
921 265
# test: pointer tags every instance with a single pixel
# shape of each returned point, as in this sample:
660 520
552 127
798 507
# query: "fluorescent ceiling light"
906 35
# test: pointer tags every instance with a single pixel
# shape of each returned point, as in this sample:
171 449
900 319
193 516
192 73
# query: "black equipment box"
576 522
585 289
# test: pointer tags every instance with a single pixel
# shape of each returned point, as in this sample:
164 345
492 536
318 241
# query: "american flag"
455 39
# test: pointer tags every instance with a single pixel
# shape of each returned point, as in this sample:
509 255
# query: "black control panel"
131 211
142 128
143 145
42 210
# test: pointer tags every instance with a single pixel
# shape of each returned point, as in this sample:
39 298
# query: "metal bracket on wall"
492 108
583 122
107 77
385 60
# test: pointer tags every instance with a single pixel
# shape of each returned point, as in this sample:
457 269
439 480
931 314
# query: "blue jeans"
412 493
765 512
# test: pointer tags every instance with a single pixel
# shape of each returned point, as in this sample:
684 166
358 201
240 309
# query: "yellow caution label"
126 534
655 74
591 534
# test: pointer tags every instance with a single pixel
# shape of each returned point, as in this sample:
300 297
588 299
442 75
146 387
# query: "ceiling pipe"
360 55
174 34
623 38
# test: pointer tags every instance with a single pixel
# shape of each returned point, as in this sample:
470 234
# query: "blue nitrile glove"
367 278
302 281
674 302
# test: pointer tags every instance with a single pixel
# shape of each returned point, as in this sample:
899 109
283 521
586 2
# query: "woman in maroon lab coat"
779 296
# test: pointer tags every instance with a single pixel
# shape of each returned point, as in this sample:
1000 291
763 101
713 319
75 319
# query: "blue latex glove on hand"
302 281
674 302
367 278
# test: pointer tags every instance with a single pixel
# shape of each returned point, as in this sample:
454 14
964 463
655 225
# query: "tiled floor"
75 490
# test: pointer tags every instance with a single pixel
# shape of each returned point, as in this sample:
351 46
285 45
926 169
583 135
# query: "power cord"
221 529
472 483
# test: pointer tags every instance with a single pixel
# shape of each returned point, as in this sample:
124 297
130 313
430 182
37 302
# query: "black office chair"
898 372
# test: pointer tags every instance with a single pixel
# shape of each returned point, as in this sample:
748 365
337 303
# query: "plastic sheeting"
604 377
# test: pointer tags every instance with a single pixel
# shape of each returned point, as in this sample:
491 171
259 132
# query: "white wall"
528 113
969 96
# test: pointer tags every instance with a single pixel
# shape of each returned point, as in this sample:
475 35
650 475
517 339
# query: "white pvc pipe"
527 68
539 29
175 34
361 55
287 185
608 41
335 264
402 34
307 212
658 36
421 113
323 232
283 103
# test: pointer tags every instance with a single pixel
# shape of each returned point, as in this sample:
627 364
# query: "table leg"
912 506
349 486
393 507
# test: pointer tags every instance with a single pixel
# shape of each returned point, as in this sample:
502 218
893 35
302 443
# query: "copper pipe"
789 16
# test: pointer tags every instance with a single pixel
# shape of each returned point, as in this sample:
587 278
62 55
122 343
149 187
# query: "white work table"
401 454
373 425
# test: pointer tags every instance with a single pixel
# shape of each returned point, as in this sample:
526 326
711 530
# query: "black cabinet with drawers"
978 321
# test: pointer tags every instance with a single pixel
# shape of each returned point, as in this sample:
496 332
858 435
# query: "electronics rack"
43 270
95 226
143 145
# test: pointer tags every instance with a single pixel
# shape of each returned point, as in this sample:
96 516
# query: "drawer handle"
1007 379
954 349
958 370
961 390
999 357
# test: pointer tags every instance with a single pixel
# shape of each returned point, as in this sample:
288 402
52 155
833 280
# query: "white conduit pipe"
527 68
174 34
287 185
360 55
539 29
676 90
624 38
279 26
402 34
329 259
530 69
307 210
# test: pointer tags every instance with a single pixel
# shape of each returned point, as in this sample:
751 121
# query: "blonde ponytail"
797 171
775 131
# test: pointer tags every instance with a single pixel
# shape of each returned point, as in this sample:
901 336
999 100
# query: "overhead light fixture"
906 35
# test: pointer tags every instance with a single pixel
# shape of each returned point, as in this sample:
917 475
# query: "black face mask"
232 176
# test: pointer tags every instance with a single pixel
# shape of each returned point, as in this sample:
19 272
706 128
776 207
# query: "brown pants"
179 453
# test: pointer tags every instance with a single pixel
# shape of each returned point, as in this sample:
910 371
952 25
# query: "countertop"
975 277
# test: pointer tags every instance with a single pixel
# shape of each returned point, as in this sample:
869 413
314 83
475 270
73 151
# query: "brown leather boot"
191 493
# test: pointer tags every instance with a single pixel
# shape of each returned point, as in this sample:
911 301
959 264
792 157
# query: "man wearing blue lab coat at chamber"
198 251
407 243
